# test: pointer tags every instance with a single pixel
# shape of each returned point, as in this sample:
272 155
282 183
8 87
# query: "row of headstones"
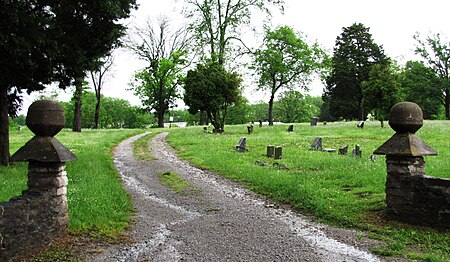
277 151
317 146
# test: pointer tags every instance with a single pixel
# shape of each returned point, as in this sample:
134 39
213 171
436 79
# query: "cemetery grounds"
336 189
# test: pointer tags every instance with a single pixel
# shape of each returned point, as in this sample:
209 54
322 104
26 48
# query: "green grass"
338 190
141 147
98 204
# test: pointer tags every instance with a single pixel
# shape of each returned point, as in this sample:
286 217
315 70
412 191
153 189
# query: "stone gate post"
411 196
40 215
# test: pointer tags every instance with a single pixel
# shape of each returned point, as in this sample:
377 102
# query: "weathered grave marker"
278 152
360 124
290 128
314 121
317 144
356 152
250 129
343 150
260 123
242 145
270 151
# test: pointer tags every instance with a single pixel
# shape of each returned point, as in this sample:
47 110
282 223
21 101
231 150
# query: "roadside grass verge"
98 204
141 147
338 190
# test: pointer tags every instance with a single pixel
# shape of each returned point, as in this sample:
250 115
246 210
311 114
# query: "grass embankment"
338 190
98 204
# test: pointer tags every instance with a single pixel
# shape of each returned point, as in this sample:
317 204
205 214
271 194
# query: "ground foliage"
339 190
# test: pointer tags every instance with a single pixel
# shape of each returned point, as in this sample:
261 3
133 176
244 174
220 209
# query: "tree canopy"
286 61
210 88
422 86
354 55
381 90
46 41
436 52
165 52
217 23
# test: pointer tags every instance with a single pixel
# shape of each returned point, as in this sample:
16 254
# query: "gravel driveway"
218 220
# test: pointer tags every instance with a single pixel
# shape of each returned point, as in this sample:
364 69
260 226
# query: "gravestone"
205 129
250 129
314 121
324 123
278 152
290 128
242 145
329 150
260 123
270 151
356 152
343 150
317 144
360 124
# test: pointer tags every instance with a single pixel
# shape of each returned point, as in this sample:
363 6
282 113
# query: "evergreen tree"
354 55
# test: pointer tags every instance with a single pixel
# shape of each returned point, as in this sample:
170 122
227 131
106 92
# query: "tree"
354 55
285 61
291 107
97 77
422 86
381 91
212 89
215 23
157 84
436 52
47 41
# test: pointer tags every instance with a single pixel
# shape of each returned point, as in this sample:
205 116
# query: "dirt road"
217 220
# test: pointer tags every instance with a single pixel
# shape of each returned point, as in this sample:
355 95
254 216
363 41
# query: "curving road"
218 220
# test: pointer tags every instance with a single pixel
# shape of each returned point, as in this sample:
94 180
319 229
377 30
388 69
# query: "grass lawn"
98 204
338 190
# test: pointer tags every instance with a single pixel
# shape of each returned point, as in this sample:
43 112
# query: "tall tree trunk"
97 112
272 97
161 118
4 128
78 103
447 103
202 117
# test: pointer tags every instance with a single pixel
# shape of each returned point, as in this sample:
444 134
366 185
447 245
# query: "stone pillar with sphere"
411 196
40 215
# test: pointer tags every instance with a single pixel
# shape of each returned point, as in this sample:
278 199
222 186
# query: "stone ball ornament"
406 117
45 118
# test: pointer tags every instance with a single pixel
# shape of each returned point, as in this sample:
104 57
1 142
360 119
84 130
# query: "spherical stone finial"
406 117
45 118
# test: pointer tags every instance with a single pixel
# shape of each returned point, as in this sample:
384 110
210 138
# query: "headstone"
278 152
250 129
356 152
329 150
314 121
261 163
270 151
290 128
324 123
20 128
317 144
343 150
205 129
280 166
260 123
242 145
360 124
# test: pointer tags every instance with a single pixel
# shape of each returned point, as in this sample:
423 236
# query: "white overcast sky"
392 24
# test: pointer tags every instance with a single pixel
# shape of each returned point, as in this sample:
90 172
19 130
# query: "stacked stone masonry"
38 217
413 197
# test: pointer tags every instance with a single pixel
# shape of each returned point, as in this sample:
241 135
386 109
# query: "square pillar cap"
405 144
